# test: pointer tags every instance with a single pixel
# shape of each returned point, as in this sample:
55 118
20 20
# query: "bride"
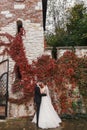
48 117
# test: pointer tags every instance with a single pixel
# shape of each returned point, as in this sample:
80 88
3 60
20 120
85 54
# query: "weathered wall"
30 13
80 51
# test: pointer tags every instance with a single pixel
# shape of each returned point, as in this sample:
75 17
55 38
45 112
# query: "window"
19 25
44 5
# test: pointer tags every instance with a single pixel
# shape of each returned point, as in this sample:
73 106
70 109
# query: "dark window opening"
44 5
54 53
17 72
19 25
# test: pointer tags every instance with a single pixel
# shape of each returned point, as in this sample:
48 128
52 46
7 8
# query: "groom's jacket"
38 95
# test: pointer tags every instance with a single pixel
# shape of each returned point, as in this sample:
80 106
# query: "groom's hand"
43 94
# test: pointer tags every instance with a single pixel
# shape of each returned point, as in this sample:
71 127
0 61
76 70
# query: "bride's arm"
43 92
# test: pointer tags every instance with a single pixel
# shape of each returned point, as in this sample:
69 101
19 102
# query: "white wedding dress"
48 117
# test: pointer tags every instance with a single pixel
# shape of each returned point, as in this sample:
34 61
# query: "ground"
26 124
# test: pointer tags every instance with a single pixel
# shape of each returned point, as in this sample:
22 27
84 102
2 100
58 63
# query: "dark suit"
37 100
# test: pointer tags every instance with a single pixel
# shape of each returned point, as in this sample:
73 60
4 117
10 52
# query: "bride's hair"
45 83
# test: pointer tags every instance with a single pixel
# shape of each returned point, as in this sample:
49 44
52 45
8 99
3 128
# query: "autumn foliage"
63 76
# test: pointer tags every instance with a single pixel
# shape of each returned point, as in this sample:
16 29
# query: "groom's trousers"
37 113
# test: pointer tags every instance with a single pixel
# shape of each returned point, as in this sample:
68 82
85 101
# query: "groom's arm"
37 89
43 94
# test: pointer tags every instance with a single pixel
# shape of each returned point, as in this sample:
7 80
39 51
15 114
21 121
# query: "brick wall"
11 10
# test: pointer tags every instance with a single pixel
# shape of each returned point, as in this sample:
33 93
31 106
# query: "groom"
37 100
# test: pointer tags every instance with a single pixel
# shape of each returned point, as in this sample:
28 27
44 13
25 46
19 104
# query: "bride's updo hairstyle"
45 82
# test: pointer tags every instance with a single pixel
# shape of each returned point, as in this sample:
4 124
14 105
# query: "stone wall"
30 14
80 51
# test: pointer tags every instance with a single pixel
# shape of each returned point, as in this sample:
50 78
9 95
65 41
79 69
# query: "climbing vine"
64 76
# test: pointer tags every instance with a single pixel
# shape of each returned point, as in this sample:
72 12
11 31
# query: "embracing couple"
45 116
